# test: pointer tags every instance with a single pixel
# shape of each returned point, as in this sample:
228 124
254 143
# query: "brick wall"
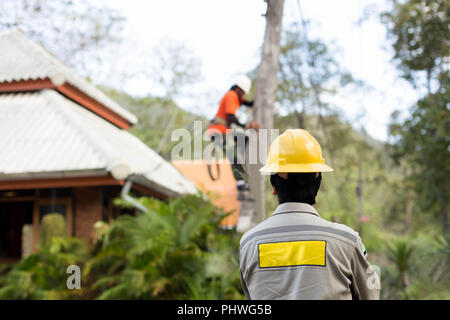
88 210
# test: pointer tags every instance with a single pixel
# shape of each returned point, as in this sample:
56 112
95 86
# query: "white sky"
227 35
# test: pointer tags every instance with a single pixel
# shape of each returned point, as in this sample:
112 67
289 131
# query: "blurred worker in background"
223 121
296 254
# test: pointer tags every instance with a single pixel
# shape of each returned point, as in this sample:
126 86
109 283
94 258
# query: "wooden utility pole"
266 89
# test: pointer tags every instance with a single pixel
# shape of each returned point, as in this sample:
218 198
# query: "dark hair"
298 187
234 87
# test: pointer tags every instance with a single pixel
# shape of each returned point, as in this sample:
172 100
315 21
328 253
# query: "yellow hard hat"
295 150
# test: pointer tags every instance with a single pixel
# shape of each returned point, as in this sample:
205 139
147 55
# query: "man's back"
295 254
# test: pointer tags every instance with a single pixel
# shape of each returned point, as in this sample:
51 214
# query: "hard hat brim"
304 167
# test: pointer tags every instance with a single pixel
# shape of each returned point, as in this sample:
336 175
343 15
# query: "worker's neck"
297 201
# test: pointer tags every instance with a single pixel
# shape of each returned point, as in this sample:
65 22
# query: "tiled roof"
44 132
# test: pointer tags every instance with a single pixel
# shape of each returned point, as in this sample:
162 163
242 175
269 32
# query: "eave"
51 182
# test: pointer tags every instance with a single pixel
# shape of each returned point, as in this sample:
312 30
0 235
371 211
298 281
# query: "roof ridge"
39 48
6 32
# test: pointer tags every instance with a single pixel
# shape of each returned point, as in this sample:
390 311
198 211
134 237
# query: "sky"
226 36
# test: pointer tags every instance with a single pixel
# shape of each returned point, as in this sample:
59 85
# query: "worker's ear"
274 191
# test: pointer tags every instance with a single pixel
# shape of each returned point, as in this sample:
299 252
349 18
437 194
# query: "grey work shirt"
295 254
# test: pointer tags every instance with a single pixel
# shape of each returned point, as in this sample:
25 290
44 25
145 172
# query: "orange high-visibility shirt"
230 103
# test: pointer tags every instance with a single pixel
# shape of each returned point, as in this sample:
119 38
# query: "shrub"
400 252
175 250
52 225
43 275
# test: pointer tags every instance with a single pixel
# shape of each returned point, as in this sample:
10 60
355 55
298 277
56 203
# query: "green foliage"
52 225
43 275
174 251
432 258
426 290
421 38
400 252
407 264
346 150
177 250
418 268
155 114
307 71
423 140
373 237
421 44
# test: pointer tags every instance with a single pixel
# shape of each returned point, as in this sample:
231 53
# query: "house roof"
22 60
44 133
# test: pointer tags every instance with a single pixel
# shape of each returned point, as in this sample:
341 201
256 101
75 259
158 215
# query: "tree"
423 140
307 72
155 114
72 30
421 41
421 38
172 69
176 69
400 252
266 89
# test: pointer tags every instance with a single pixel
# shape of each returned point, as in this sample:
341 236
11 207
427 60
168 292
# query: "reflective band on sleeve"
298 228
293 253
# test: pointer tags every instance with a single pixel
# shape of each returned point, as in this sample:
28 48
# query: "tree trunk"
408 210
266 88
429 81
444 212
267 79
301 119
408 200
405 279
359 193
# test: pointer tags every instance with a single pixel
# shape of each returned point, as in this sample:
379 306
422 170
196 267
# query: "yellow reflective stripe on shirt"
292 253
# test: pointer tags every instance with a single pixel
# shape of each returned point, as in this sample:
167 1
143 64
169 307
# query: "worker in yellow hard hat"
296 254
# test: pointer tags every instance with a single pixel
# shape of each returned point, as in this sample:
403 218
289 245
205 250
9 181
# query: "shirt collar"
295 207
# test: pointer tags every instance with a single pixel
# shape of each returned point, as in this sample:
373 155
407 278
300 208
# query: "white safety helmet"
243 82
